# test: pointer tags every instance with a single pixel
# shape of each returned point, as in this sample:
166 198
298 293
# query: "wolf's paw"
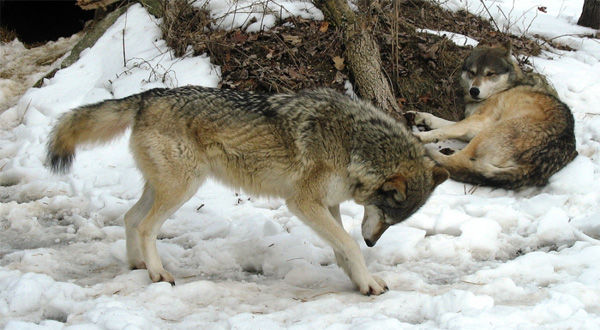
426 137
437 154
409 116
417 118
374 286
161 276
432 149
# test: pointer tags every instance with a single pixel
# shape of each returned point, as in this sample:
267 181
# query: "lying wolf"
519 132
315 149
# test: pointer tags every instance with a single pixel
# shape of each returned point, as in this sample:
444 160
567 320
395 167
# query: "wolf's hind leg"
458 159
168 197
469 157
484 160
133 217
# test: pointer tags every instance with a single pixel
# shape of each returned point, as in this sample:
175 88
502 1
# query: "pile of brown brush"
297 53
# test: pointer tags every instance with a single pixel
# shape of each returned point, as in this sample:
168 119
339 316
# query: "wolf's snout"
369 242
474 91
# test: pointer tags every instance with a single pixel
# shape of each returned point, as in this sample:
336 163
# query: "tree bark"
590 15
362 55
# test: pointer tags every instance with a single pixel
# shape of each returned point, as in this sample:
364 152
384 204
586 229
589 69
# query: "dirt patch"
23 66
298 54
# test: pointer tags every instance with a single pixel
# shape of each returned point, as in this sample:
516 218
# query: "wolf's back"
95 123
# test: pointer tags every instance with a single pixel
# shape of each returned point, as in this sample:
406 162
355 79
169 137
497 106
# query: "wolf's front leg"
366 283
347 252
429 120
430 136
463 130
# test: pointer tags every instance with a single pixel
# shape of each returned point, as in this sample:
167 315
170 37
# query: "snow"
458 39
257 15
469 259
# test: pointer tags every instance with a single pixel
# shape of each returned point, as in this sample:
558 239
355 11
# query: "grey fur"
315 149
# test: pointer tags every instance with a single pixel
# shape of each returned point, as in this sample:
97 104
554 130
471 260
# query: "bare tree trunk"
590 15
362 55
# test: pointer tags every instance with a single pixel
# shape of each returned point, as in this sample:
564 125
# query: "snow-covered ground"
469 259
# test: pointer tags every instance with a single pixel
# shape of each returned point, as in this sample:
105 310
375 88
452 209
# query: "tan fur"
314 149
519 133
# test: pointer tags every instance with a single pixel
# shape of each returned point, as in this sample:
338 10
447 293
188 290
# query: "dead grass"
422 68
7 35
182 24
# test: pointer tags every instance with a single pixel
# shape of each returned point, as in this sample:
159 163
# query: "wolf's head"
488 70
398 198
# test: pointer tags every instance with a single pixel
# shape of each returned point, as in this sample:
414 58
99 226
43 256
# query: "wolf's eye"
471 74
490 74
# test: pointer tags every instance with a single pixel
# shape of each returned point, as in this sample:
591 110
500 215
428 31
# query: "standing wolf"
520 133
315 149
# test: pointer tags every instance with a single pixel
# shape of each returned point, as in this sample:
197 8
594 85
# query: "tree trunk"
590 15
362 55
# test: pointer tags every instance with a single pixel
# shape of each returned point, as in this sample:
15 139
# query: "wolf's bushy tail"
95 123
506 180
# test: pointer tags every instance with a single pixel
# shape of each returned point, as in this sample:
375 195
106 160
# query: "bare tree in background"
590 15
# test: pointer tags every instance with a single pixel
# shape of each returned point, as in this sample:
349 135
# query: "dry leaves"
338 63
282 59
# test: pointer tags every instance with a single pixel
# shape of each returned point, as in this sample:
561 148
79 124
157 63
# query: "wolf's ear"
440 175
484 43
507 45
396 185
